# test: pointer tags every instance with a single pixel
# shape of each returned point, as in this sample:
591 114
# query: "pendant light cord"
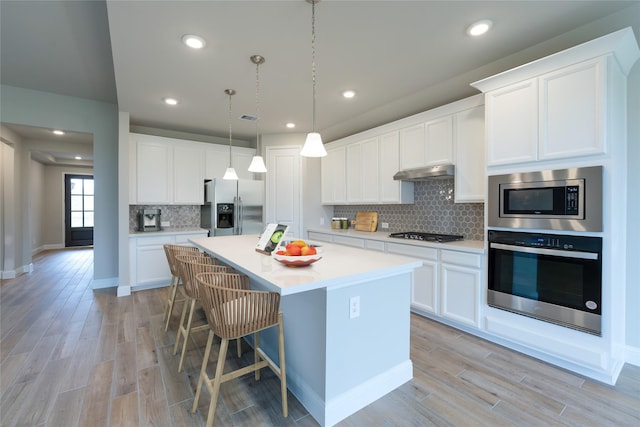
230 138
257 106
313 61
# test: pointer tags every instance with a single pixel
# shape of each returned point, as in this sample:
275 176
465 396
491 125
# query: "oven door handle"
544 251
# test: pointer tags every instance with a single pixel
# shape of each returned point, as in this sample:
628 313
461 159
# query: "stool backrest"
171 251
232 309
191 265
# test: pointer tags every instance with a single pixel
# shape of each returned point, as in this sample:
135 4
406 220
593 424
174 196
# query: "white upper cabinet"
167 171
333 179
564 106
217 161
392 191
362 171
469 155
154 171
412 147
188 174
512 123
572 110
439 141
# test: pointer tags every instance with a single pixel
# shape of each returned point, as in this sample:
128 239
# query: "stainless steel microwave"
561 199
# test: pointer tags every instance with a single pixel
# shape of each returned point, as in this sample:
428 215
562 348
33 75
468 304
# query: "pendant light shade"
231 172
313 146
257 163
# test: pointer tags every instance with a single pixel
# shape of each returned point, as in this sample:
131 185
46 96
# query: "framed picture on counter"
270 238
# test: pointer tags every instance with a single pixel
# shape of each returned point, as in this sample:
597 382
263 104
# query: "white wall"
37 207
42 109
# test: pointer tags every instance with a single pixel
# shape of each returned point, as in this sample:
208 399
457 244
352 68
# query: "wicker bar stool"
234 311
188 266
170 251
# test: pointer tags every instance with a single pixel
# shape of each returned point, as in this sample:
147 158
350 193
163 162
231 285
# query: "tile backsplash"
179 217
434 211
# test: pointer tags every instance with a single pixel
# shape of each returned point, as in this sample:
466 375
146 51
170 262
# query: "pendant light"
231 172
313 146
257 163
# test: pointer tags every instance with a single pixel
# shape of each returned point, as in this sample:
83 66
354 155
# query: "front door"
78 206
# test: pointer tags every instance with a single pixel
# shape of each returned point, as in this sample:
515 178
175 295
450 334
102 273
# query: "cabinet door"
424 291
439 141
216 161
283 199
370 171
241 160
469 150
412 147
392 191
460 293
354 172
512 124
154 168
572 105
133 179
188 174
333 171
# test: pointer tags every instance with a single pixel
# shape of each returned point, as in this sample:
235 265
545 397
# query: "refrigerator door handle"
240 211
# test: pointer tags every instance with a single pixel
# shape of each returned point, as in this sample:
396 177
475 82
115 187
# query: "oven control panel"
549 241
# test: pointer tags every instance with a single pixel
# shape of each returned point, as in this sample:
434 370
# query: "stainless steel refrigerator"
232 207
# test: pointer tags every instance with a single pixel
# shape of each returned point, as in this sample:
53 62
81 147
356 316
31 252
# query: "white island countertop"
339 265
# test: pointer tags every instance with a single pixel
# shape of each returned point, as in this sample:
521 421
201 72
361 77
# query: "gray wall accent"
433 211
42 109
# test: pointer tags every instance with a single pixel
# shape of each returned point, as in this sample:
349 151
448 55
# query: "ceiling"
400 57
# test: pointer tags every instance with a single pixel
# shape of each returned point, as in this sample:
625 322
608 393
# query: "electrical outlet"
165 223
321 220
385 225
354 307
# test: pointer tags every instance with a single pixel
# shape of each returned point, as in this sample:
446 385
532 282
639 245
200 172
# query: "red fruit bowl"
297 261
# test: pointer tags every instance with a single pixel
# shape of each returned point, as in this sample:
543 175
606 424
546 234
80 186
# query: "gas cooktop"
426 237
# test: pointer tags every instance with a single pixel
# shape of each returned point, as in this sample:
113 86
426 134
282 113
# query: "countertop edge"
168 232
473 246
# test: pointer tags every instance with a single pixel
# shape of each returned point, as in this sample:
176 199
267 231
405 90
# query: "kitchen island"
339 358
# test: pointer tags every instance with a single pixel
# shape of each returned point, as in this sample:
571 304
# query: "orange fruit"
300 243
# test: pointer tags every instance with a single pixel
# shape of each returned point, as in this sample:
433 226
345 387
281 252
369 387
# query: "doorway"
78 210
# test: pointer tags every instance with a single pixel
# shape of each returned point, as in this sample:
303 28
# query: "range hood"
425 173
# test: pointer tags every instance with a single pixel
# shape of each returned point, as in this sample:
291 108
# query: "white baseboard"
110 282
8 274
124 291
632 355
12 274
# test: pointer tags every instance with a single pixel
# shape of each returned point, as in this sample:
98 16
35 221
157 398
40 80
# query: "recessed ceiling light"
78 158
479 28
170 101
58 132
195 42
290 125
348 94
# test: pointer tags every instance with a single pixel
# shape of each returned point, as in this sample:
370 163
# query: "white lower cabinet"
148 261
460 287
448 285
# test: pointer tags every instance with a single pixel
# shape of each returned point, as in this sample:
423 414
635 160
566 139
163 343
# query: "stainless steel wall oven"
555 278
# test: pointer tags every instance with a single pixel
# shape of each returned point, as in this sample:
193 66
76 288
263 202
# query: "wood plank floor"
71 356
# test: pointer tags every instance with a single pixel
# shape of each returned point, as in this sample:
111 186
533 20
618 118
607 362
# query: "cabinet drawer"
349 241
462 258
319 237
155 240
374 245
413 251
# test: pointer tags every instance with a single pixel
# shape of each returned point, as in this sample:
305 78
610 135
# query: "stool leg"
203 372
172 299
187 332
283 371
181 329
256 355
217 380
